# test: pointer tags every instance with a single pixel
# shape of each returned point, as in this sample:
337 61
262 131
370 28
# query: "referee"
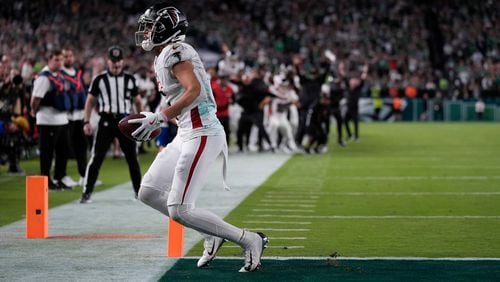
114 90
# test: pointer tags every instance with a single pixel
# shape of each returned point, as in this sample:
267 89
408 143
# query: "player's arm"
364 74
136 95
92 95
89 104
40 87
184 72
138 103
35 105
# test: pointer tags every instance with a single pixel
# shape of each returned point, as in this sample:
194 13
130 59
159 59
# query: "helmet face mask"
143 35
159 25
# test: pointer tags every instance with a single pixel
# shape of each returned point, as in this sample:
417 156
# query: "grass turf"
410 169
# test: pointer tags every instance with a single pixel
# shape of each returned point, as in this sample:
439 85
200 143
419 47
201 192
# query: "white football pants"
175 179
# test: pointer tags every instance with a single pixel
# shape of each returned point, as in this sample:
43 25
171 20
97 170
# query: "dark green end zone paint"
337 270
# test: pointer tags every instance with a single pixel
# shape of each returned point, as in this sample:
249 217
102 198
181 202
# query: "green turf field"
404 190
407 189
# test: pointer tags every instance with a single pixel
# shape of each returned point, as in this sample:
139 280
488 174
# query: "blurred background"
413 48
424 60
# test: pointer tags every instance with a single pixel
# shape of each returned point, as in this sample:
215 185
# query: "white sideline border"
364 258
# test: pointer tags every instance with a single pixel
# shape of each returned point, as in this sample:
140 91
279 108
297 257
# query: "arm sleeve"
94 87
134 91
41 86
178 54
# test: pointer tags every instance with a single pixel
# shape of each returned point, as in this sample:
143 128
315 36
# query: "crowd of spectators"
436 45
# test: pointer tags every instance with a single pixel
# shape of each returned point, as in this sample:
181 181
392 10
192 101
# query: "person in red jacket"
223 94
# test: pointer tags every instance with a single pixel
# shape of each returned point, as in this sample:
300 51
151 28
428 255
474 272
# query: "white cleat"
254 252
81 182
68 181
212 245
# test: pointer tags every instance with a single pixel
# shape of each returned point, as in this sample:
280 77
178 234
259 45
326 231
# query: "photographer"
12 123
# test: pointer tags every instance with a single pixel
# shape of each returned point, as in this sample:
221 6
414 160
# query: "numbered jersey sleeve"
178 53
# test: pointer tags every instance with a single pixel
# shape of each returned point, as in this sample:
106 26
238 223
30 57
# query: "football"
127 128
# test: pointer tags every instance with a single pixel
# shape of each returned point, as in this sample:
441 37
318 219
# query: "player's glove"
149 123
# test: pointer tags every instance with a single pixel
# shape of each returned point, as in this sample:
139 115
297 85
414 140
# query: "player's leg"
273 131
102 140
47 147
356 125
80 146
287 132
347 119
196 158
157 181
155 189
129 150
61 155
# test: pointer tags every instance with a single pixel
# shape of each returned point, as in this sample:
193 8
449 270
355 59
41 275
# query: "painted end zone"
331 269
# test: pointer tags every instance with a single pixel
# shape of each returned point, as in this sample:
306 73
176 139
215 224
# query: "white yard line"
286 205
290 197
287 238
282 229
386 178
294 192
278 222
268 247
281 210
288 201
417 194
407 166
362 193
380 216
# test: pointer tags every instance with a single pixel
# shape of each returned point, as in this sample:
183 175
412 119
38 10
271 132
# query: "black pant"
225 123
304 112
53 139
352 115
11 145
245 123
106 132
338 118
78 142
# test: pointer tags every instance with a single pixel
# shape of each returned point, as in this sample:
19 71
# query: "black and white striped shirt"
114 92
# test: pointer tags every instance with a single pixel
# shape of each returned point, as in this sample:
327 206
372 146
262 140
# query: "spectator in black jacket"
253 96
12 123
354 87
311 78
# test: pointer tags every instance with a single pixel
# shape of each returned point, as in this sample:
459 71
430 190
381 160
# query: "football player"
178 172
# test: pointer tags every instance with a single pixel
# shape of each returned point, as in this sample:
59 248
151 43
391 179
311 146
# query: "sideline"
116 238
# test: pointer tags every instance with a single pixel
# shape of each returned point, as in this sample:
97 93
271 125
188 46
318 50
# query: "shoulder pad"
177 53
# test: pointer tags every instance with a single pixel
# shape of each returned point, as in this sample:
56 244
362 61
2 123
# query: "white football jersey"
199 118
